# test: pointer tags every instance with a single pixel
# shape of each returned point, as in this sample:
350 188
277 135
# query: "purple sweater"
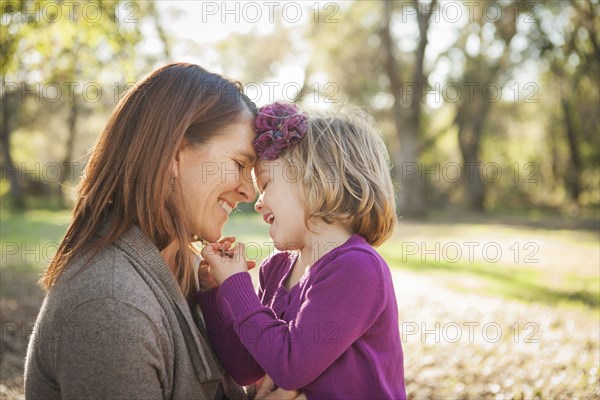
334 335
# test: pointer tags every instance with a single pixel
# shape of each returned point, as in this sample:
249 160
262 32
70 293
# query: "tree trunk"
411 197
554 159
470 131
471 176
10 169
66 172
573 176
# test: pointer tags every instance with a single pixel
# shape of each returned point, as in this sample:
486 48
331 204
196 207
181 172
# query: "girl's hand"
224 261
205 279
265 391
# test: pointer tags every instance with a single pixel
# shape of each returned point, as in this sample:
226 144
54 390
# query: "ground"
489 308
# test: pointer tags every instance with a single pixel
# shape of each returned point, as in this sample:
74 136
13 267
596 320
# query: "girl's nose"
259 205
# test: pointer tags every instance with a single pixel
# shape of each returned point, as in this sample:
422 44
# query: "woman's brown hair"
128 178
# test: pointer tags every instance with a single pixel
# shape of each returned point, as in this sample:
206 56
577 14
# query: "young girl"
325 320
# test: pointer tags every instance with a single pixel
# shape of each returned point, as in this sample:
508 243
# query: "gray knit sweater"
120 328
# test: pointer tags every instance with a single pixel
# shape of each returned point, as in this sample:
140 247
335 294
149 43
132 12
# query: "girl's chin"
285 245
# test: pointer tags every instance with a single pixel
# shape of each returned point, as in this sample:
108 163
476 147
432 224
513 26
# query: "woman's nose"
247 190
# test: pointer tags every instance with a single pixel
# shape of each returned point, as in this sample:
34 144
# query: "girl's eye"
240 165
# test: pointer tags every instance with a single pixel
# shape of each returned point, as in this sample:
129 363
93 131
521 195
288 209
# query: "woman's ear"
175 165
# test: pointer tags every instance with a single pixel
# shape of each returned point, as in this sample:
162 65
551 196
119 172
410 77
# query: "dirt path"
459 345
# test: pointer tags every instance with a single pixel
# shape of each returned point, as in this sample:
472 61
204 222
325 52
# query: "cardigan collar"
146 259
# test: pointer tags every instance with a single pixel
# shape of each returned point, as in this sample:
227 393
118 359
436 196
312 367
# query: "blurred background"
490 110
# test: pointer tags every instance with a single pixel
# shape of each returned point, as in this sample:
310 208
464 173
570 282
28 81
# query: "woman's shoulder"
103 276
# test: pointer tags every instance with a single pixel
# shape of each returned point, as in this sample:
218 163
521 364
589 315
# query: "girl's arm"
343 301
218 319
230 351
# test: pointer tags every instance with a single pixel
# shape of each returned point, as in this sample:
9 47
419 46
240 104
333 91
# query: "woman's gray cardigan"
120 328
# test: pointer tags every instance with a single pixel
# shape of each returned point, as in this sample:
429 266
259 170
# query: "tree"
574 64
11 36
69 47
407 118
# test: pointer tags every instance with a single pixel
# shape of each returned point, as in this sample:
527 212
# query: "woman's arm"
106 349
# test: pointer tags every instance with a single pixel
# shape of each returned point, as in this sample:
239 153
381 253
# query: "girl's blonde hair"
343 173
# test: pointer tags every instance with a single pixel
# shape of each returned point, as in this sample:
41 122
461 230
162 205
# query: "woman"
171 164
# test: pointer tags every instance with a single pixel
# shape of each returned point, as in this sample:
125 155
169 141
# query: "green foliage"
554 47
63 66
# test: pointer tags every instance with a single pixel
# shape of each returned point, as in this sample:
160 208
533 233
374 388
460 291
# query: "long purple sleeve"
342 298
230 351
333 335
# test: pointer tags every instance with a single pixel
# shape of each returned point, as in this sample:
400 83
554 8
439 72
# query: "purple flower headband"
278 126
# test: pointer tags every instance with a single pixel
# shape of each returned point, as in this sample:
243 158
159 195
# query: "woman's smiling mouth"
225 206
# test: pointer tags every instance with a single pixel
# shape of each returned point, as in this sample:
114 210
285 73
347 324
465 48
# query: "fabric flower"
278 126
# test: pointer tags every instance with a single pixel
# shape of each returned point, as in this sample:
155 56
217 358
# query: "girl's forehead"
265 167
259 170
266 170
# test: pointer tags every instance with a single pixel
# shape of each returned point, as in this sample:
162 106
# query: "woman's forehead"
236 138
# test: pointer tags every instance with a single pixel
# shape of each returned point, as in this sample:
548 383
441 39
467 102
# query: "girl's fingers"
222 245
226 242
281 394
209 253
224 249
240 247
228 239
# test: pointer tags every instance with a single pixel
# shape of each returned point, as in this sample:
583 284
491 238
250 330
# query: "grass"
572 286
29 238
520 283
558 292
33 225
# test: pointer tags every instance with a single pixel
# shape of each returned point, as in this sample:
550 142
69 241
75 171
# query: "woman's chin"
212 237
214 234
